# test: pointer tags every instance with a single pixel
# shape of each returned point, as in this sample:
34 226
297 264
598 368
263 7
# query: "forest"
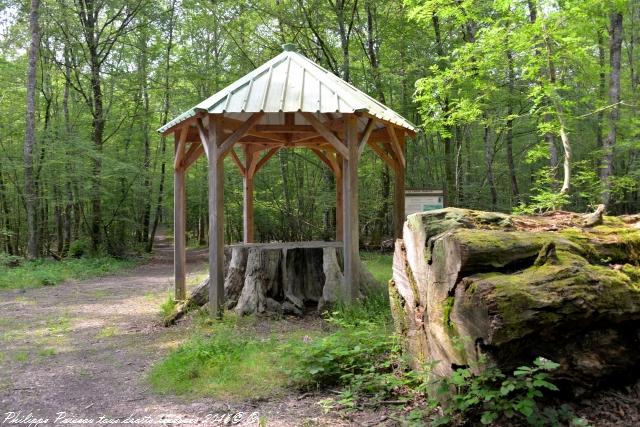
523 105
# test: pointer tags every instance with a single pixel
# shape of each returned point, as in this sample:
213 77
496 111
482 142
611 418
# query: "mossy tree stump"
474 287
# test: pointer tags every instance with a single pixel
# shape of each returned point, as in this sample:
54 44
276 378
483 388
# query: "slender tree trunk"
344 29
146 213
380 227
68 208
601 89
163 139
449 168
30 132
488 158
547 118
615 47
509 133
4 223
559 111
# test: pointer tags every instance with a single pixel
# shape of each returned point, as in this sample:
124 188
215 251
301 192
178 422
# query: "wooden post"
398 201
248 196
179 225
350 210
216 216
339 204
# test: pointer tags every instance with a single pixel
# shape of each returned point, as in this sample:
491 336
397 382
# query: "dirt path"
84 348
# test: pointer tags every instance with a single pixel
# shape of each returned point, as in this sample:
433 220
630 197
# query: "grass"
379 264
226 360
33 274
107 332
168 307
246 357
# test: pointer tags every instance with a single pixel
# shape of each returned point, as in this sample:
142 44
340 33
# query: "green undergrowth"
38 273
379 264
233 359
353 355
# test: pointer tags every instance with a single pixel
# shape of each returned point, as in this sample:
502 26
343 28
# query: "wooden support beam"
371 124
202 132
179 231
398 202
193 153
351 251
238 133
263 160
234 156
383 155
339 202
327 134
396 146
247 181
216 216
286 128
180 148
328 159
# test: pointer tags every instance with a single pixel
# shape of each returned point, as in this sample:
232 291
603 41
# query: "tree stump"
282 278
470 287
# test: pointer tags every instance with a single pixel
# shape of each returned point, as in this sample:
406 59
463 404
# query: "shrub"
79 248
492 396
7 260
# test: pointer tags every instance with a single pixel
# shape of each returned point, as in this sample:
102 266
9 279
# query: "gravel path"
83 349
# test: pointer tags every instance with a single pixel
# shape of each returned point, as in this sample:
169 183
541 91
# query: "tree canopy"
526 105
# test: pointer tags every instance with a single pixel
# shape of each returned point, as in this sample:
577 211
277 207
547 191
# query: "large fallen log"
471 288
281 278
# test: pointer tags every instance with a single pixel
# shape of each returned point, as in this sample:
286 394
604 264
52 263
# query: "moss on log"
473 286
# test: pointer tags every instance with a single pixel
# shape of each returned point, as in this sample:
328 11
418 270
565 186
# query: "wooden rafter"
382 153
180 149
366 134
258 165
237 161
329 159
396 146
327 134
239 133
203 135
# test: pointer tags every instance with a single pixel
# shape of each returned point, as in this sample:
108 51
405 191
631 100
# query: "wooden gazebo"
288 102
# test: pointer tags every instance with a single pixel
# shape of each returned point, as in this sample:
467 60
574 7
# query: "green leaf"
488 417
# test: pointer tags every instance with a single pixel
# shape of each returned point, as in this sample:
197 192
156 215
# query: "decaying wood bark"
282 278
474 287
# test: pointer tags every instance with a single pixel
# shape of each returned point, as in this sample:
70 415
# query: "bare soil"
84 348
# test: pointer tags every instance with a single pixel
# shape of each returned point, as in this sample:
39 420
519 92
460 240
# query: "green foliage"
350 356
33 274
79 248
7 260
223 360
168 307
492 396
378 264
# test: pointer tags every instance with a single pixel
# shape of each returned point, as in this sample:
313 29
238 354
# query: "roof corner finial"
290 47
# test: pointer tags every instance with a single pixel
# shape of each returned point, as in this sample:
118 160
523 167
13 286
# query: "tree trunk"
601 89
277 278
608 145
488 158
146 138
477 289
163 139
449 168
509 135
30 132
